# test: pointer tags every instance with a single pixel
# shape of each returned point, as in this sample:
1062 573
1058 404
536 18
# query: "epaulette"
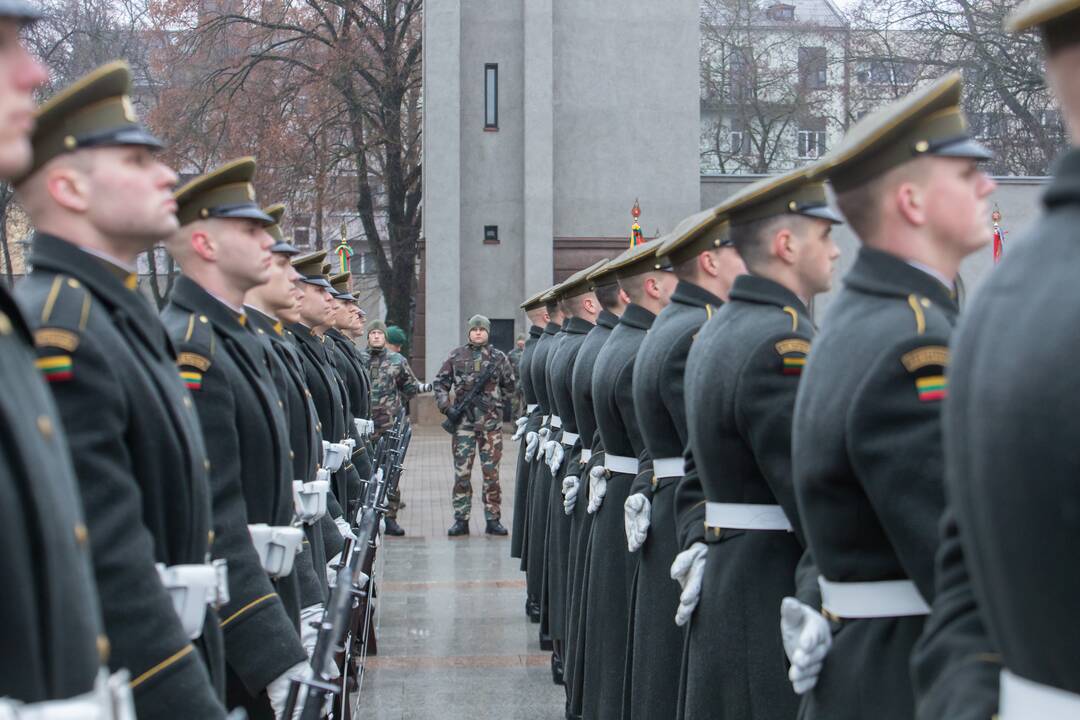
60 328
196 350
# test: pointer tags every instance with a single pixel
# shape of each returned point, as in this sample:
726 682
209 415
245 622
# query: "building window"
885 72
781 13
491 96
741 74
812 67
812 138
739 138
491 234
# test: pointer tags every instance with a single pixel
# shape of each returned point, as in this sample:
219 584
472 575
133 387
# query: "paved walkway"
454 641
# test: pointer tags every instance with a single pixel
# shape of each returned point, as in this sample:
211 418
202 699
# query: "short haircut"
862 205
752 238
634 287
553 307
573 304
608 295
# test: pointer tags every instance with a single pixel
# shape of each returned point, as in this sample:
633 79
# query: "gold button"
210 538
44 426
280 404
70 143
72 282
318 427
5 324
307 392
80 534
103 648
792 206
187 401
925 302
206 465
260 331
292 455
204 213
202 319
922 146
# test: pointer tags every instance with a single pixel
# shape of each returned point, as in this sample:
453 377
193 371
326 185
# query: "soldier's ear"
203 244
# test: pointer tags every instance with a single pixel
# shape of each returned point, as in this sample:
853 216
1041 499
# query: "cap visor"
822 212
284 248
243 212
316 280
965 148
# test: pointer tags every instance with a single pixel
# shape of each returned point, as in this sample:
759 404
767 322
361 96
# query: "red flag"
999 235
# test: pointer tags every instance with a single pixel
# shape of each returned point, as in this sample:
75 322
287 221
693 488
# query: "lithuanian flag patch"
192 379
932 387
55 368
794 365
792 352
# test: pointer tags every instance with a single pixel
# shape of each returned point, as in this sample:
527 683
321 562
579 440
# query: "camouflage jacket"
461 371
392 385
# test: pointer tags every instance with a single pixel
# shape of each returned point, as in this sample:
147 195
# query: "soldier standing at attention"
1014 492
52 649
649 283
741 378
867 445
480 432
223 249
98 197
393 385
706 263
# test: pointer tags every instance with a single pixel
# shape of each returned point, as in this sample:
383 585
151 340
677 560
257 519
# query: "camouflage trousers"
466 442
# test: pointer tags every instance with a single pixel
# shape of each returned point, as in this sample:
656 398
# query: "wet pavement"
453 638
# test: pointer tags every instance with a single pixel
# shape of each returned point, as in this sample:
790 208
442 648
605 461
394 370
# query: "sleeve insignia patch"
935 355
55 368
793 353
932 388
190 359
193 380
794 345
56 337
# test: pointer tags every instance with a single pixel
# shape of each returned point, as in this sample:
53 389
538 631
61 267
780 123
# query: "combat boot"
494 527
392 528
460 527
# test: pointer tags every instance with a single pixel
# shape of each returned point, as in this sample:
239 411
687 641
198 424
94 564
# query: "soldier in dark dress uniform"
649 283
539 475
741 378
1006 585
867 447
581 308
613 302
223 250
98 198
53 647
269 307
536 312
706 264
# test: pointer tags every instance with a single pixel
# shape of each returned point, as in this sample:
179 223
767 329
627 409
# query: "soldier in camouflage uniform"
481 429
393 384
517 402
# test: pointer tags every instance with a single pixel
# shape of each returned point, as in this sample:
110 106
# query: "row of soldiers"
724 511
176 490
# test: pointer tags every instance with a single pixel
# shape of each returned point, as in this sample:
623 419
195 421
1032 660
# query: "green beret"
479 321
225 192
395 335
93 111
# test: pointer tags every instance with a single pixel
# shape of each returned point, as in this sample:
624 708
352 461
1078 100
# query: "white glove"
636 516
278 690
597 488
521 422
807 640
332 570
569 491
532 442
424 388
343 528
689 569
558 454
310 619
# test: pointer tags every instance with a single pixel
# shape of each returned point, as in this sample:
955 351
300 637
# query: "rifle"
465 404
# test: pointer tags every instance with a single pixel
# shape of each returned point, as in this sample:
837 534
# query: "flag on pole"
999 235
344 252
636 238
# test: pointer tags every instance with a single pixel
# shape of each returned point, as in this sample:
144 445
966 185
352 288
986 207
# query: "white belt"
569 439
277 546
586 456
530 408
672 467
556 422
191 587
620 464
745 516
884 598
109 700
309 498
1023 699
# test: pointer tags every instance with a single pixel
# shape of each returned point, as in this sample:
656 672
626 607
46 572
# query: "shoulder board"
64 314
918 306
